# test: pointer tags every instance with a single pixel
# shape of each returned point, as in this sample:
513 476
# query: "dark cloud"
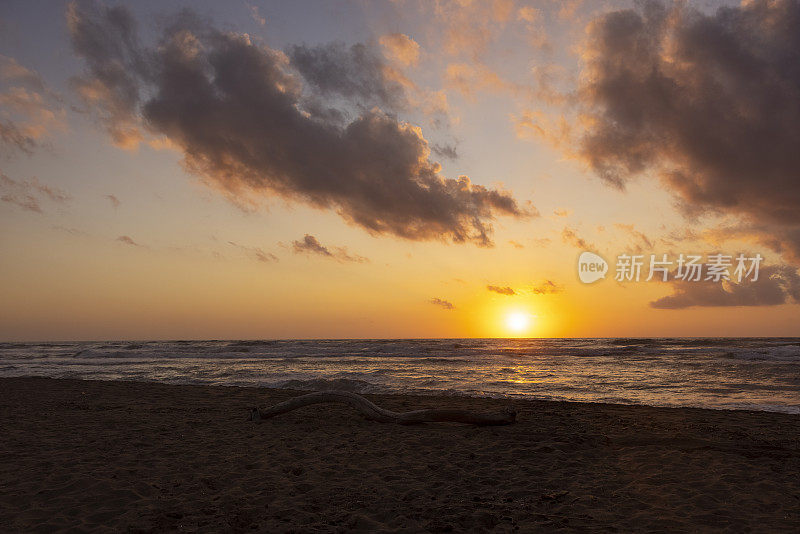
711 102
503 290
105 37
128 240
546 287
256 253
445 151
776 284
310 245
237 112
28 194
446 304
357 73
785 239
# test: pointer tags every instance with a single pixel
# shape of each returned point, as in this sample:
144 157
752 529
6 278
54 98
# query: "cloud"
357 73
29 111
503 290
400 48
240 114
562 212
310 245
529 14
106 39
28 194
468 27
535 28
256 253
256 15
546 287
641 241
708 102
783 240
128 240
471 78
571 237
558 132
445 151
362 78
776 284
114 200
12 71
11 136
515 244
70 230
446 304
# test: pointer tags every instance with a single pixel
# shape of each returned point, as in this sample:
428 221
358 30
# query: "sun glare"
518 322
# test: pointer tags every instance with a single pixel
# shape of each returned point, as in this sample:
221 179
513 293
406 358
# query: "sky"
397 169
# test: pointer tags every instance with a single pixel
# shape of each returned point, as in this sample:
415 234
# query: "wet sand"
142 457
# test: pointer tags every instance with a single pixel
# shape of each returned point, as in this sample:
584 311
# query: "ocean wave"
780 353
688 372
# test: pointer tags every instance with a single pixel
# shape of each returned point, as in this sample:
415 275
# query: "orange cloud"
469 26
29 111
571 237
400 48
469 79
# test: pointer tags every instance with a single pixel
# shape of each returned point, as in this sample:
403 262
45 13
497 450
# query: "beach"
151 457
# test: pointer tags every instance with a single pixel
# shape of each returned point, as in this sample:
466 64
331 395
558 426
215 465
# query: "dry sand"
125 456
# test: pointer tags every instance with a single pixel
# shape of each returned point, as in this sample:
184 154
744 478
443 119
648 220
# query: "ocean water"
750 374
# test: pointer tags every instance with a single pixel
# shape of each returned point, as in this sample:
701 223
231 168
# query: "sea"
719 373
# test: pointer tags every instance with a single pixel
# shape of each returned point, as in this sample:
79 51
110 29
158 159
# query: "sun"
518 322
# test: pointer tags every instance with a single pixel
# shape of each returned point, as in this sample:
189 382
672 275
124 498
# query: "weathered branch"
376 413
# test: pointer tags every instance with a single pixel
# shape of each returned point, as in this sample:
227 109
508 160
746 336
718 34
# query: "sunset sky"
256 169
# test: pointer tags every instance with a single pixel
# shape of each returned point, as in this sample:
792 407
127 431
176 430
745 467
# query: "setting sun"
518 322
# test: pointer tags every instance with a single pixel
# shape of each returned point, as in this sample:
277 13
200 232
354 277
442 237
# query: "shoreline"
732 374
149 456
784 410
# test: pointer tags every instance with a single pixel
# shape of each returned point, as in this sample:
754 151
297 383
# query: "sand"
141 457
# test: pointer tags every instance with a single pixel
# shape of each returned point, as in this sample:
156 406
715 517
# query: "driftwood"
381 415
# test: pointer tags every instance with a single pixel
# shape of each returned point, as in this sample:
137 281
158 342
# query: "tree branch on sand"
381 415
